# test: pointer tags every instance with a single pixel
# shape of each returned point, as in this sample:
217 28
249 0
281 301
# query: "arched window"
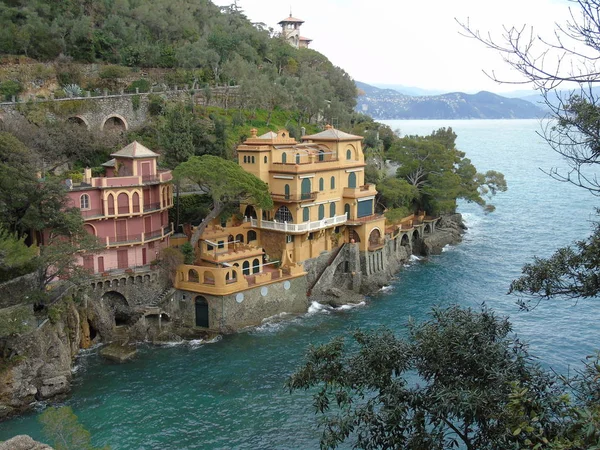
348 154
251 235
246 268
265 159
284 158
297 158
321 184
321 155
245 159
305 214
332 210
283 214
352 180
305 189
193 276
347 210
286 190
253 160
84 201
240 238
321 212
255 266
332 182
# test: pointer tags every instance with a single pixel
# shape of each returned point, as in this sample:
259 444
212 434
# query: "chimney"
87 175
253 132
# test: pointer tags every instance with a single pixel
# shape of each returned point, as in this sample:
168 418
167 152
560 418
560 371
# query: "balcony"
366 190
365 219
131 239
294 198
299 227
92 213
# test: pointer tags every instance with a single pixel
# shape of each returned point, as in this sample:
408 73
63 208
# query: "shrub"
188 253
73 90
113 72
9 88
156 105
142 84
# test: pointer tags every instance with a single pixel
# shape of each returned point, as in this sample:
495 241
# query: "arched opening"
348 154
193 276
117 304
251 236
415 237
427 228
208 277
265 159
404 241
84 201
256 266
321 184
250 212
286 190
284 158
332 182
110 202
305 214
332 210
347 210
230 243
231 277
321 212
352 180
77 121
305 188
321 155
114 124
202 316
90 229
353 235
297 158
246 268
240 238
123 203
374 238
283 214
135 200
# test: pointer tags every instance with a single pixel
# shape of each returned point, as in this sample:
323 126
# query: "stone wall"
12 291
234 312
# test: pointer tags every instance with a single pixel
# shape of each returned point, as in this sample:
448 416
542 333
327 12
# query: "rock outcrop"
23 442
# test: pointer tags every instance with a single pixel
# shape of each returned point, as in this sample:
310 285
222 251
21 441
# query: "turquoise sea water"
230 394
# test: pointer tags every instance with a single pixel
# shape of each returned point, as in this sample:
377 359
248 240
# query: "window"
245 159
332 182
352 180
289 239
283 214
209 247
284 158
321 184
305 214
84 201
348 154
321 212
347 210
310 236
321 155
251 235
286 190
246 268
221 244
332 210
297 158
253 160
255 266
265 159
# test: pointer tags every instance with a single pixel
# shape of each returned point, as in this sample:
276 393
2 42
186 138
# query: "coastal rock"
118 353
53 386
23 442
449 231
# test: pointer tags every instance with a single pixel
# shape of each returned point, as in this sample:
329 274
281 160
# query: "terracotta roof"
331 134
291 19
302 38
110 163
135 150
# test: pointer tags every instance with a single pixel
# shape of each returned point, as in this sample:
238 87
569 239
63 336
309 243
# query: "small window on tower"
84 201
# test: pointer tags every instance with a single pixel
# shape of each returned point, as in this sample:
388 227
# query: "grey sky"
410 42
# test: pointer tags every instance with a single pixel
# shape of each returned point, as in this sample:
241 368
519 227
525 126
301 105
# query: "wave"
447 248
414 258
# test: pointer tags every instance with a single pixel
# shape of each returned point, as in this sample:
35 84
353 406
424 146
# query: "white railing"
299 227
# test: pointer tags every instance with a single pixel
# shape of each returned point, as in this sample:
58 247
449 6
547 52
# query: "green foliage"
395 215
113 72
135 102
10 88
61 426
156 104
143 85
16 258
397 193
188 253
192 208
16 320
458 380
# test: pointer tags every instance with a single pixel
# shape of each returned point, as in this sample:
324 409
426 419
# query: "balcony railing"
299 227
150 178
152 207
290 198
89 213
139 238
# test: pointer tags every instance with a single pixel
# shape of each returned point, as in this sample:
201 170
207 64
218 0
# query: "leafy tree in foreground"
62 427
457 380
226 182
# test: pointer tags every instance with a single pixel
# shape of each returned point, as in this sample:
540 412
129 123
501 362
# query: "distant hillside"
390 104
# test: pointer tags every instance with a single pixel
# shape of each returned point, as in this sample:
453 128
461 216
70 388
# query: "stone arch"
374 237
427 228
352 234
114 122
193 276
119 306
202 314
415 236
405 241
79 120
250 212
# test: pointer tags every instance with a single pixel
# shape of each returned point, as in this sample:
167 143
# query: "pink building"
127 209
